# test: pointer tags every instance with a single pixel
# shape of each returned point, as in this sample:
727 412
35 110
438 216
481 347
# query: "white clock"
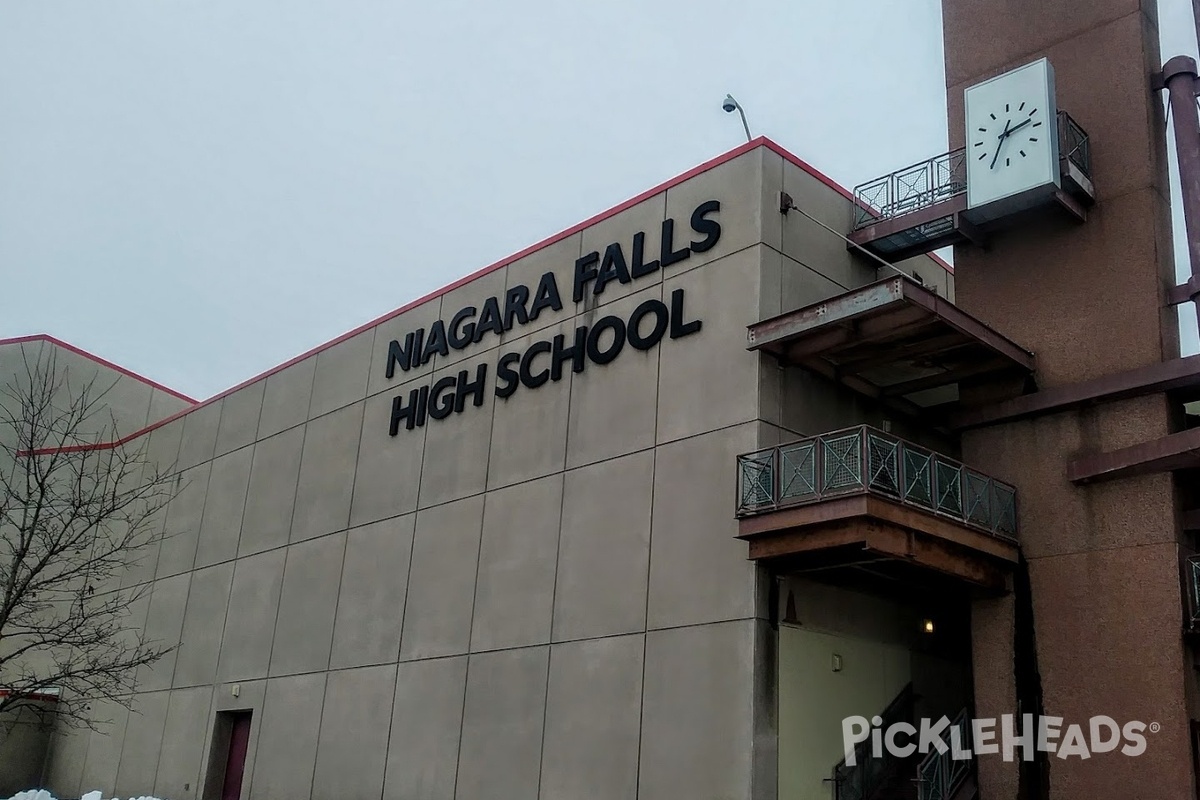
1012 142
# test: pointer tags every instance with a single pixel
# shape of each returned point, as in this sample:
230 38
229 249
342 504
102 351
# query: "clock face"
1011 141
1012 133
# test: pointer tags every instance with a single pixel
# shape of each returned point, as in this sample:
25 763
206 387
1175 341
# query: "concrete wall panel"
286 397
179 766
707 380
698 570
605 543
500 755
287 741
341 374
307 604
613 405
475 293
274 472
142 746
185 512
327 473
163 405
64 765
164 624
697 720
387 478
104 747
370 606
558 258
457 448
200 435
221 526
162 446
593 719
529 428
353 744
645 217
250 622
399 326
738 185
514 590
426 724
441 582
203 626
239 417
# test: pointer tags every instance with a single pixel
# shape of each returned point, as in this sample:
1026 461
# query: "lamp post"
729 105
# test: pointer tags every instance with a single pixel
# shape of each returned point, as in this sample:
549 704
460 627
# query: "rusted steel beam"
1165 376
1184 292
1171 452
961 321
843 308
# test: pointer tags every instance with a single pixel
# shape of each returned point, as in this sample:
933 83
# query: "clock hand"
1022 125
1000 144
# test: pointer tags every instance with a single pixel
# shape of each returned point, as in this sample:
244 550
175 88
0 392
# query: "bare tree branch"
76 512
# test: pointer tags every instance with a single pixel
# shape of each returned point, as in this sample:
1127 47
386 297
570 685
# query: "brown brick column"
1088 300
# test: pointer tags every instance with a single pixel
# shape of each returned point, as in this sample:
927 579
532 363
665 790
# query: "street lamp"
729 105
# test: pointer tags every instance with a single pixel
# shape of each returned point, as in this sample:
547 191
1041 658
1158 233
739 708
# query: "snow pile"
42 794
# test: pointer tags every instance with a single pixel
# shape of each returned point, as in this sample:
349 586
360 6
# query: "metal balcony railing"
1191 577
1073 144
863 780
942 177
864 460
939 774
913 188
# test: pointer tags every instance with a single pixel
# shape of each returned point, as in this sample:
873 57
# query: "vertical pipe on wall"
1179 79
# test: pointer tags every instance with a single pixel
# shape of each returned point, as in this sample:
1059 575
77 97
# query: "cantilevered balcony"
923 207
861 498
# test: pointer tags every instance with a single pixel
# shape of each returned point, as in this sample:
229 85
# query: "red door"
239 740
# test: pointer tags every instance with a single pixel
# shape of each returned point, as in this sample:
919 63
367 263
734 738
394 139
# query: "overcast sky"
201 189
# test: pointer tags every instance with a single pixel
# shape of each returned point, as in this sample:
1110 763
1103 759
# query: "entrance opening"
227 759
849 653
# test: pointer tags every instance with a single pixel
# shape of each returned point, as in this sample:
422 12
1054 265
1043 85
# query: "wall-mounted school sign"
545 360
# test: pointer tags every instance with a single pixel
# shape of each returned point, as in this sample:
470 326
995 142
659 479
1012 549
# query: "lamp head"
730 105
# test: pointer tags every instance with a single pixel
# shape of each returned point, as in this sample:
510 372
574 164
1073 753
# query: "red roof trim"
761 141
45 337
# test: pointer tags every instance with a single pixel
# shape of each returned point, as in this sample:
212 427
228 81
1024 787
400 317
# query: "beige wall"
541 596
538 597
813 701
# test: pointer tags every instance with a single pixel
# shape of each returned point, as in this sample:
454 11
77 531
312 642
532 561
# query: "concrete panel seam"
562 501
649 572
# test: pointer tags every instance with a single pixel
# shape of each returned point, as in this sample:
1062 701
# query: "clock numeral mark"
1022 152
983 130
1006 108
1031 113
1021 107
1034 125
993 116
1033 138
982 157
1007 162
979 144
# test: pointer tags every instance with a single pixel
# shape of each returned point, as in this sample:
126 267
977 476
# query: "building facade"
653 507
485 546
